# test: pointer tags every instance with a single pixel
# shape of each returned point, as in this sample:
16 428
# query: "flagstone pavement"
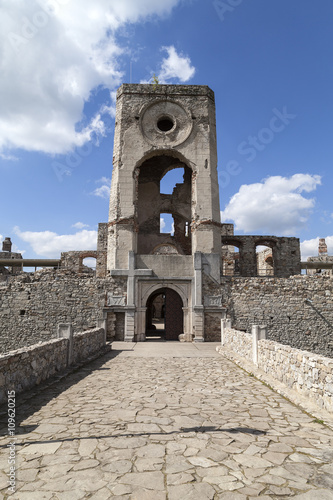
165 420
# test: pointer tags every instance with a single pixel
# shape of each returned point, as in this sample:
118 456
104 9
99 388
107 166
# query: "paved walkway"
155 421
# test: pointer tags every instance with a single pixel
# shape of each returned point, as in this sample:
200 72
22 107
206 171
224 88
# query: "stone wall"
286 254
86 344
308 374
24 368
32 305
212 315
280 304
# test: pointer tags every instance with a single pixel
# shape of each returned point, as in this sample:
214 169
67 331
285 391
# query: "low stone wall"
24 368
310 375
240 342
87 343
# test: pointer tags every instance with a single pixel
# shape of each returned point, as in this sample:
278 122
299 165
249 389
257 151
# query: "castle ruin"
179 285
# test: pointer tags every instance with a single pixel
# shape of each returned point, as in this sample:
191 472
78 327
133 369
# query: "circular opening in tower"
165 124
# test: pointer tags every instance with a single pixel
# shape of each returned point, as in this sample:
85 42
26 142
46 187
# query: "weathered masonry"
175 285
158 130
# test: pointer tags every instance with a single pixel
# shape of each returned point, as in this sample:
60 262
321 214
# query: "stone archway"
172 316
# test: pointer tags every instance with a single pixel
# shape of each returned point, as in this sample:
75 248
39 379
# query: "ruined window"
88 265
171 179
165 123
265 263
164 205
167 224
230 260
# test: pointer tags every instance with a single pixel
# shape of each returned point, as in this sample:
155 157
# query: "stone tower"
159 128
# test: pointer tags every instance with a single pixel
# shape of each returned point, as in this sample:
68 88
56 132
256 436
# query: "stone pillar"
225 323
248 258
258 333
7 245
129 324
255 338
101 323
65 331
322 248
198 309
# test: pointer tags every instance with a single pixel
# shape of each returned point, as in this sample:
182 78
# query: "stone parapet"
309 375
22 369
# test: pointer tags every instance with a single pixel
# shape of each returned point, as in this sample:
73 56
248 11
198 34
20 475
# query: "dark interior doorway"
164 315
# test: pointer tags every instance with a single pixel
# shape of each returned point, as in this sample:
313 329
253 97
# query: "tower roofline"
165 90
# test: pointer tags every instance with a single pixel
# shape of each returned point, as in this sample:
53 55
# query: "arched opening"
230 260
164 315
155 316
164 192
170 180
87 262
265 260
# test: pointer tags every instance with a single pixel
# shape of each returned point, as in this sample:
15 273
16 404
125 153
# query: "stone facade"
286 255
307 374
32 305
282 305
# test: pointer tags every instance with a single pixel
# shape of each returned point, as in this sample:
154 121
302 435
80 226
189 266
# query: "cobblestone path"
167 421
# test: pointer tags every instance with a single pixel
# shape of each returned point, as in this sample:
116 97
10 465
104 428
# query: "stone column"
65 331
198 309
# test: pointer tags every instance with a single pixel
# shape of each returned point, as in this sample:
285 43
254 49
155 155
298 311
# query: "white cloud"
275 205
50 245
53 55
162 224
175 66
309 248
79 225
6 157
104 190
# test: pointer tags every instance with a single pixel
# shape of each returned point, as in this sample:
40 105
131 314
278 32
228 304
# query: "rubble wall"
280 304
32 305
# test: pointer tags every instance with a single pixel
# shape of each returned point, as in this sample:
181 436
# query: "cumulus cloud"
275 205
80 225
50 245
103 191
53 55
309 248
162 224
175 66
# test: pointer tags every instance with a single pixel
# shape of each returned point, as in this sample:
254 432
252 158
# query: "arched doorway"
164 315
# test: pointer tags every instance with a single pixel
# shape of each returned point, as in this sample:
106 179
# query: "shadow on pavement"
232 430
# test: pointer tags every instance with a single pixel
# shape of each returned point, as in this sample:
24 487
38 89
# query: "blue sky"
268 62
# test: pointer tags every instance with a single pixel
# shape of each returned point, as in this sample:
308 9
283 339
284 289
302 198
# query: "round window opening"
165 124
